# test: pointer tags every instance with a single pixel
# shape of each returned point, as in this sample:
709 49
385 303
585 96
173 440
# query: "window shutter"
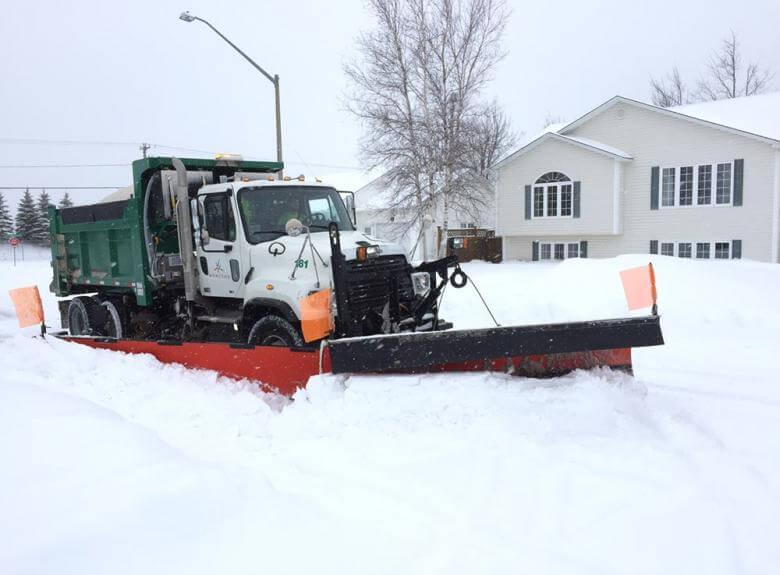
654 176
739 172
583 249
653 246
535 251
576 200
528 202
736 249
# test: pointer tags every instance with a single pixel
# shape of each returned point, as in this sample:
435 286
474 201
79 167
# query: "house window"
558 250
693 185
705 185
566 200
538 202
704 250
723 190
552 201
367 230
553 196
722 250
667 187
686 185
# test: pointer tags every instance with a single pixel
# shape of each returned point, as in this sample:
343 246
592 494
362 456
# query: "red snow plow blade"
533 351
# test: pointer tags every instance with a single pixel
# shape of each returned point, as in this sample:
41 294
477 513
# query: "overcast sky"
133 72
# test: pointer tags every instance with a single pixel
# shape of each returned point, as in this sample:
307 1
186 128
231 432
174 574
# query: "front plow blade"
532 350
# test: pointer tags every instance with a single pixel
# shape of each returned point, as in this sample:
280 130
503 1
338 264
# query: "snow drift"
115 463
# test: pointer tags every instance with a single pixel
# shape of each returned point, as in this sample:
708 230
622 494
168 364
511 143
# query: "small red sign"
14 241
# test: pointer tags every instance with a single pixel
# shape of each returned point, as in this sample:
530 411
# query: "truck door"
219 260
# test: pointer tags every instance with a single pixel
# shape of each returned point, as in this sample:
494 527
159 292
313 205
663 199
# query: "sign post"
14 241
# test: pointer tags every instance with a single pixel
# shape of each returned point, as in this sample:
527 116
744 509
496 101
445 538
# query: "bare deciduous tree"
417 88
670 91
726 77
551 119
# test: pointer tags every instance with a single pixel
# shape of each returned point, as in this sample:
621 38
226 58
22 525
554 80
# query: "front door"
219 260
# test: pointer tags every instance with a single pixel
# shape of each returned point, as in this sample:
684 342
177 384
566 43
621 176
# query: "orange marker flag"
29 309
639 286
316 315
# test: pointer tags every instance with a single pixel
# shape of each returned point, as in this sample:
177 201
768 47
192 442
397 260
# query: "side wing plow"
531 350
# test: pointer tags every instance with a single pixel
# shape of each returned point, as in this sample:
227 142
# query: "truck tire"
275 331
85 316
112 326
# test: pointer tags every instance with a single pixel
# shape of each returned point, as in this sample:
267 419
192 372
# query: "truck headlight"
421 282
364 252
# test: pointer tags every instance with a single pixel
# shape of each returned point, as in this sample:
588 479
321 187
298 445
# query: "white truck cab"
266 241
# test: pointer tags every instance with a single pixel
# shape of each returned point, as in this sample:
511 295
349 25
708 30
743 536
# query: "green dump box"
102 247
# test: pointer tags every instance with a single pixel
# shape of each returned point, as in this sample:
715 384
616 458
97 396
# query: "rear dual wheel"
90 316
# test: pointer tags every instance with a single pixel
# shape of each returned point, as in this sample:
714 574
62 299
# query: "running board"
534 350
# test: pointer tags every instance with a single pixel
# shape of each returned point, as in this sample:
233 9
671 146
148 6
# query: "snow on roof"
375 195
598 145
553 131
759 115
350 181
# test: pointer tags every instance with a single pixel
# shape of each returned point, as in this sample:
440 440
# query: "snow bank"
118 463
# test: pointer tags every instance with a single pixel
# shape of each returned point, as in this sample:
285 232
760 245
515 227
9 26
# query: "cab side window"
220 222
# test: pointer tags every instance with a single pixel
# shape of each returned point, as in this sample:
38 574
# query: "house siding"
656 139
595 171
622 196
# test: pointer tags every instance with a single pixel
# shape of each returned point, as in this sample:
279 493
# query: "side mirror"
204 237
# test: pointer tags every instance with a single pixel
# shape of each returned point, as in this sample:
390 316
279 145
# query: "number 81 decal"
302 263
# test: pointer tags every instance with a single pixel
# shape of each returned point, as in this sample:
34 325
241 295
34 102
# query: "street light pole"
187 17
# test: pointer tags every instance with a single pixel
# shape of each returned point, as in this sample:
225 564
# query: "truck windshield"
265 210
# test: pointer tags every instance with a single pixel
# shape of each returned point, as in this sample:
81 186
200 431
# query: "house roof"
752 116
758 114
551 133
735 115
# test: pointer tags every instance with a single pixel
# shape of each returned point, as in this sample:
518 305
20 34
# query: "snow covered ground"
118 464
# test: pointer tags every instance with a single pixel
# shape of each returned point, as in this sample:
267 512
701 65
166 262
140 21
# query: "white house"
699 181
375 217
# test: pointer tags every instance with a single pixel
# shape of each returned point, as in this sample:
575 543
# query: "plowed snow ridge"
120 464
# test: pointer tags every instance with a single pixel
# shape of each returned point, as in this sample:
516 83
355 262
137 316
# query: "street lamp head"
187 17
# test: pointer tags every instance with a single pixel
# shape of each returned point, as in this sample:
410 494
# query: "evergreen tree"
6 222
41 235
27 220
65 202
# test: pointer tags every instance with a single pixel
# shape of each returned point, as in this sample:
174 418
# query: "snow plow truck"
221 264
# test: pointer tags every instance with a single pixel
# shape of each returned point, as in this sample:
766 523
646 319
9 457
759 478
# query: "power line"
137 144
36 166
61 187
66 142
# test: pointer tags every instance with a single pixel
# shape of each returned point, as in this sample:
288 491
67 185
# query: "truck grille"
369 282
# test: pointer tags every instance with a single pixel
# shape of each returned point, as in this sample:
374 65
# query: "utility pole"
187 17
144 148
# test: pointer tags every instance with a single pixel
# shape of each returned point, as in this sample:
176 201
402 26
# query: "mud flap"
534 350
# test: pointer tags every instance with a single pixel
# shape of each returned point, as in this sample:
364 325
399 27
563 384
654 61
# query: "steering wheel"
318 218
